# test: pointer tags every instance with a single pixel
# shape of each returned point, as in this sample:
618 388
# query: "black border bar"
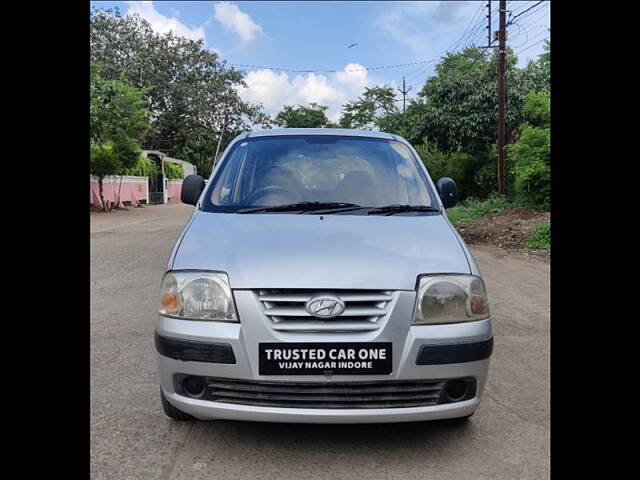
455 353
192 351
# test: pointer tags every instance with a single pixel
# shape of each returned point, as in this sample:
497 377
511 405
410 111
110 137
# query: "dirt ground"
508 230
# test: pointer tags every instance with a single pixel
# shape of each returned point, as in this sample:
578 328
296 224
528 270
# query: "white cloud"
354 78
237 21
276 89
162 24
427 28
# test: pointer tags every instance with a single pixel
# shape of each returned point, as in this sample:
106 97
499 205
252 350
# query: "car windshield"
318 170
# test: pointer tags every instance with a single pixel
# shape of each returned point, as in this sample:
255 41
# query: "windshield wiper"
302 206
396 208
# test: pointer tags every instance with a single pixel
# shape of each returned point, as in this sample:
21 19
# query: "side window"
412 186
225 185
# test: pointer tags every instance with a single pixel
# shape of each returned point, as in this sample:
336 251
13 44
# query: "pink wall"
174 188
134 189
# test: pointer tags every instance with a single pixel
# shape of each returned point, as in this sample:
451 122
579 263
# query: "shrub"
539 236
472 208
173 170
530 156
144 167
103 161
459 166
537 109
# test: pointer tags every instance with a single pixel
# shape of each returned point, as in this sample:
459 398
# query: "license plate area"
329 359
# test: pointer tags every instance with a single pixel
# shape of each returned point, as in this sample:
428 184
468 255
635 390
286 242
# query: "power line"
473 34
417 73
412 71
528 27
423 64
522 13
534 37
535 15
532 45
399 65
520 30
521 6
469 25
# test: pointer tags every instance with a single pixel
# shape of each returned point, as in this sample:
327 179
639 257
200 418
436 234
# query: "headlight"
450 299
197 296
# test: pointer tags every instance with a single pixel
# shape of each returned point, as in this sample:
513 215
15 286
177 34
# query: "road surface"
507 438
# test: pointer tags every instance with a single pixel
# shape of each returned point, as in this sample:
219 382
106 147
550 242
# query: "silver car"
320 281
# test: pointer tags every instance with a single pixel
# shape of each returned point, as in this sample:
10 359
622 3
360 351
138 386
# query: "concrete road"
507 438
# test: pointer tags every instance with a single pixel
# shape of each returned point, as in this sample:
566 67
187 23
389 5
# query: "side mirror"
448 192
192 187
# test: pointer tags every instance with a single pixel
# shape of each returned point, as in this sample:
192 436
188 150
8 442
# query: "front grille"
286 309
345 395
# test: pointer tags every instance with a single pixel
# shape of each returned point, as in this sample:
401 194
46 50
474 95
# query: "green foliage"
472 208
312 116
173 170
192 93
144 167
367 111
530 156
118 118
103 159
539 236
459 166
458 105
453 125
537 109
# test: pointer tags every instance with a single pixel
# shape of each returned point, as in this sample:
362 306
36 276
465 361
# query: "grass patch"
473 208
540 236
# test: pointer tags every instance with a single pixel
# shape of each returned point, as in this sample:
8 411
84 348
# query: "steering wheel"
271 189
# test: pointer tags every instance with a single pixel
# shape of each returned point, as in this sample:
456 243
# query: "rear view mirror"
448 192
192 187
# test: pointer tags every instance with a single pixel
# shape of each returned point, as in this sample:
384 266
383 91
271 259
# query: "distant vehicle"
320 281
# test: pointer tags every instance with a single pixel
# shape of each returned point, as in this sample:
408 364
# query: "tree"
367 111
103 161
312 116
530 156
457 107
454 120
118 120
192 94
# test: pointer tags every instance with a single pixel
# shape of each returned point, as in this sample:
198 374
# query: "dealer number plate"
374 358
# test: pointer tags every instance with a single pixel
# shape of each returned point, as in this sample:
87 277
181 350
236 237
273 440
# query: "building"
134 190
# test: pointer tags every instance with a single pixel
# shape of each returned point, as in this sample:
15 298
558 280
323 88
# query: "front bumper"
408 342
205 410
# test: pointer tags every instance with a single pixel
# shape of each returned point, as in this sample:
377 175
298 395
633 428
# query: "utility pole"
502 41
404 92
489 39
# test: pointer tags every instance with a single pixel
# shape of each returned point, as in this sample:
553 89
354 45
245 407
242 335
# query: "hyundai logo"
325 307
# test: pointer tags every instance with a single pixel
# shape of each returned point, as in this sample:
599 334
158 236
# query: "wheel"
171 411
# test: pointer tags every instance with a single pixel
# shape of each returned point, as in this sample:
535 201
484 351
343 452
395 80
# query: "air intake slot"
286 308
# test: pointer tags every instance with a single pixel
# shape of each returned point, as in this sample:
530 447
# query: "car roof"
343 132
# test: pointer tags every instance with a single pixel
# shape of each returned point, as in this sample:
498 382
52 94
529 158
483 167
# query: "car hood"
321 252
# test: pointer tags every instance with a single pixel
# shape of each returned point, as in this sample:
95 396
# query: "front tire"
173 412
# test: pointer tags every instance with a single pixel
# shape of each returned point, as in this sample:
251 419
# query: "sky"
270 40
